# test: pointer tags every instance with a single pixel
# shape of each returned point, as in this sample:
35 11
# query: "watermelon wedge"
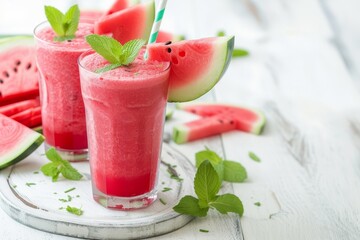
196 65
216 119
164 36
119 5
14 108
18 71
16 141
128 24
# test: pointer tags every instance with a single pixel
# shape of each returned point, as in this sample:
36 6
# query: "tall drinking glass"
125 113
63 114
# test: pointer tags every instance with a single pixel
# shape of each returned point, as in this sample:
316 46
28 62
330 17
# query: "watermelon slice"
14 108
216 119
16 141
168 37
128 24
18 71
119 5
196 65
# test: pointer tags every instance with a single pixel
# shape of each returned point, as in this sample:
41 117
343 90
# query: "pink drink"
63 114
125 117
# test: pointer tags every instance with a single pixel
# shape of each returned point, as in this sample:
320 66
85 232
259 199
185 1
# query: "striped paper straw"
156 25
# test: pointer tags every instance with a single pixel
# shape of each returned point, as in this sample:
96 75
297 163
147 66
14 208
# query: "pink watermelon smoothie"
63 113
125 118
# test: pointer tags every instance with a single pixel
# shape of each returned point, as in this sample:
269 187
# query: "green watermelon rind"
23 149
181 132
8 42
150 16
223 48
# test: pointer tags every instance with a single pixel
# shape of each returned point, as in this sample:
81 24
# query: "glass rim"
90 51
39 26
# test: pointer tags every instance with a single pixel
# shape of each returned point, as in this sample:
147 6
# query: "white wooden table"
304 72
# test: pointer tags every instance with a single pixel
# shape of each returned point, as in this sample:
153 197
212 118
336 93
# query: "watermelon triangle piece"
119 5
16 141
128 24
196 65
217 119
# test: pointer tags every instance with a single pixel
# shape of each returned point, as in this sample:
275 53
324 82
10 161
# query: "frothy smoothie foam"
125 119
63 113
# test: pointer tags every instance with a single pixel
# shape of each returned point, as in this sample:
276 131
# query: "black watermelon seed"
231 122
6 74
15 70
69 40
169 50
18 62
168 43
1 81
28 66
0 94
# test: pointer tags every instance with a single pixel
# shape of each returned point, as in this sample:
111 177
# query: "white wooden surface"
304 72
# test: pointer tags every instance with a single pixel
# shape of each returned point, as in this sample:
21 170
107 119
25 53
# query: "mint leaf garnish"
74 210
64 25
189 205
112 50
234 172
57 166
206 183
254 157
228 203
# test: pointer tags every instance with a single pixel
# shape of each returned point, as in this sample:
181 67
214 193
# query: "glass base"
124 203
70 155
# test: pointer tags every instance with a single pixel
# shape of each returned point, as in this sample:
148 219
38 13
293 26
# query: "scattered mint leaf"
206 183
57 166
64 25
130 50
14 186
189 205
162 201
228 203
61 208
69 190
215 160
234 172
221 34
30 184
203 230
254 157
238 52
69 198
36 172
257 204
112 50
166 189
74 210
106 46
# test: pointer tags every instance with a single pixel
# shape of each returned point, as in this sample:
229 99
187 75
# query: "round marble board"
34 200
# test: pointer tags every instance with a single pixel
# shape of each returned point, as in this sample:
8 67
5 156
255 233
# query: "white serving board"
38 206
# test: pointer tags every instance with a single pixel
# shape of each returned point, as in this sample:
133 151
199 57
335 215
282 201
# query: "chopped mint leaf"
203 230
74 210
54 192
166 189
189 205
257 204
221 34
36 172
57 166
215 160
234 172
64 25
112 50
237 52
30 184
69 198
61 208
254 157
162 201
77 196
228 203
14 186
207 182
69 190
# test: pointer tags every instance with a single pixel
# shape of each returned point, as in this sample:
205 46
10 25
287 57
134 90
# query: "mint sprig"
228 171
207 185
59 166
113 51
64 25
